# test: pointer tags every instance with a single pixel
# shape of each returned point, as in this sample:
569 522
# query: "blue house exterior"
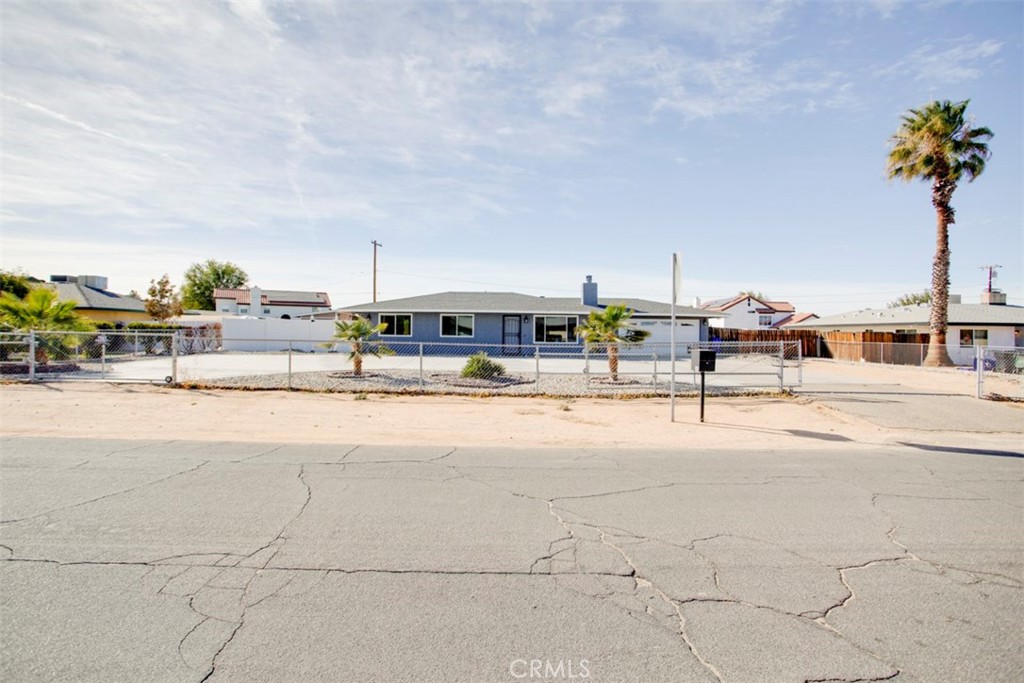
507 323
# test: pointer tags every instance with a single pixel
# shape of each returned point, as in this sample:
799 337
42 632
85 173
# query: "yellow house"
95 302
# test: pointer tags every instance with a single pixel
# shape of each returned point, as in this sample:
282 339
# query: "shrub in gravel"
479 366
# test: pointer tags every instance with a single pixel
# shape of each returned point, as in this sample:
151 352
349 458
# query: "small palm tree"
358 332
937 143
41 311
607 330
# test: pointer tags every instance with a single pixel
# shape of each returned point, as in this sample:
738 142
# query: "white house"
746 312
969 325
270 303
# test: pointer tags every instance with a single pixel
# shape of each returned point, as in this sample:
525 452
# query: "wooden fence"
872 347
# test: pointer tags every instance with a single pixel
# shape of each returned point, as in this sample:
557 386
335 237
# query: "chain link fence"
549 369
999 372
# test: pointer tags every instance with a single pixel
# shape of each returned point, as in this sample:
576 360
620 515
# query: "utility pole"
375 244
991 274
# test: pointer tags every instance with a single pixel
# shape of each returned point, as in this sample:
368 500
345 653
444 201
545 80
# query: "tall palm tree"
937 143
357 332
607 330
41 311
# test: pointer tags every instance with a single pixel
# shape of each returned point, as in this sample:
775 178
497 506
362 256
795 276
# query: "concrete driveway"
223 561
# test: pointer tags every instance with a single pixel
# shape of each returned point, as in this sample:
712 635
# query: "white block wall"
273 334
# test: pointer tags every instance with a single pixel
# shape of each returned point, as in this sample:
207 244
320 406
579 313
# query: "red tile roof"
766 307
794 319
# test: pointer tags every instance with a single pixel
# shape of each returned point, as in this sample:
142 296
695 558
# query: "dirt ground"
152 412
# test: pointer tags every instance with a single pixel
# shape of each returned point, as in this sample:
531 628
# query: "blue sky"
505 146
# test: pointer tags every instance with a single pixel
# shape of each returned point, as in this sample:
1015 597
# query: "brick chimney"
993 297
255 301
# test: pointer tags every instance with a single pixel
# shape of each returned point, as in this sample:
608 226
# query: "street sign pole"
701 395
676 277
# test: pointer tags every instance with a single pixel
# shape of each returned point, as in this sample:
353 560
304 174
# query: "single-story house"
94 301
747 312
969 325
270 303
519 322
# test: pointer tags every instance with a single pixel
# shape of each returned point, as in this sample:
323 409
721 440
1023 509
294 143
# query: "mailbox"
703 360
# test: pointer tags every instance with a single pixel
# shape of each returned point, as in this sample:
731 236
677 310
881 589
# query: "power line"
991 274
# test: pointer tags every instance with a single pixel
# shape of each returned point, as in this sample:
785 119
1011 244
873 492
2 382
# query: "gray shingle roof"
98 299
510 302
959 314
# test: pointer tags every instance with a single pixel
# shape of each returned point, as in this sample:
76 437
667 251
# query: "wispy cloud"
199 114
965 60
291 126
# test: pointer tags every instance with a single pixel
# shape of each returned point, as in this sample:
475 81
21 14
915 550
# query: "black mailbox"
703 360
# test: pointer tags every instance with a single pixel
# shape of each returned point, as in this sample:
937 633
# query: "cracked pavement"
224 561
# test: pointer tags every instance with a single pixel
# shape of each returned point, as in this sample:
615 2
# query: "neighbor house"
747 312
270 303
795 319
969 325
520 322
94 301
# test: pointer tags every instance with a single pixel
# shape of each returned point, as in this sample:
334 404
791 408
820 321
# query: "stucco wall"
114 316
273 334
230 307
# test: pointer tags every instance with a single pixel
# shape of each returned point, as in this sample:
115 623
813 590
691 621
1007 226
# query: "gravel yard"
397 381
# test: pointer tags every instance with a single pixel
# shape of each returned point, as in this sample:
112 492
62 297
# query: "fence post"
979 370
799 364
536 355
655 355
103 360
921 349
174 357
782 366
421 367
586 364
289 365
819 346
31 355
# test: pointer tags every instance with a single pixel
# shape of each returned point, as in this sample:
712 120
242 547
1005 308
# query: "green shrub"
480 366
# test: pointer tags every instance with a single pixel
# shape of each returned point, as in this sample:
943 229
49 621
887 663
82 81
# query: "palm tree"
937 143
608 329
42 312
357 332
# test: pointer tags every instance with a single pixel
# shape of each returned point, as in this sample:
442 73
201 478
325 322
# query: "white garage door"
661 331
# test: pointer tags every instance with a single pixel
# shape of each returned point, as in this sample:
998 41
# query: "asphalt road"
895 406
178 561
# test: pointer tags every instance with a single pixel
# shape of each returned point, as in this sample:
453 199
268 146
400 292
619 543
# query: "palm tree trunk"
613 361
357 359
942 192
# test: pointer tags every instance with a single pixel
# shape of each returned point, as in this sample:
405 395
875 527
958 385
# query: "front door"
512 335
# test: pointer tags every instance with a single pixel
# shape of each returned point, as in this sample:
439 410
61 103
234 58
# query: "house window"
398 324
764 321
973 337
557 329
456 325
243 310
266 311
